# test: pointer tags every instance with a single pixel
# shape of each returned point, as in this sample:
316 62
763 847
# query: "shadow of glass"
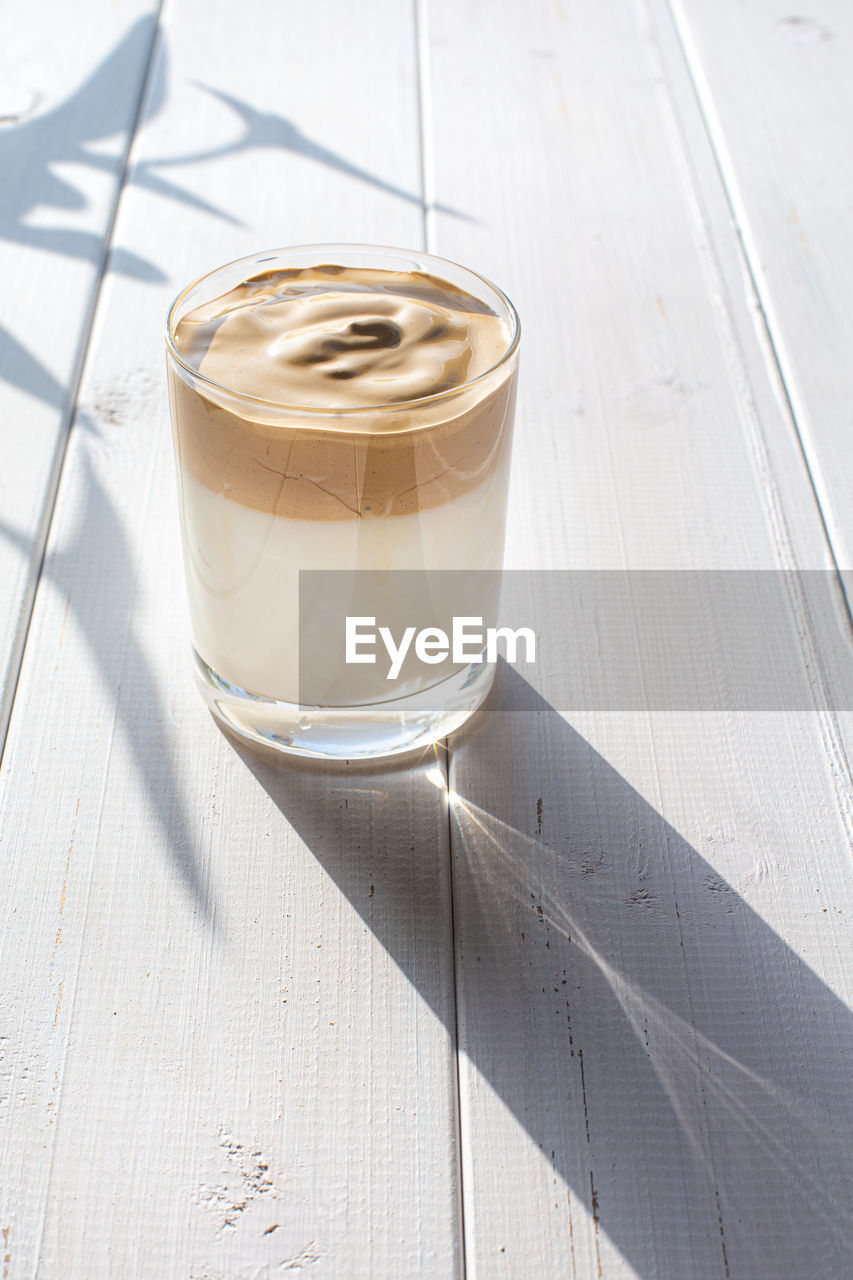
681 1069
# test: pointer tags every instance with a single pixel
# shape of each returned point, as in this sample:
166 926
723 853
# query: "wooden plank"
652 963
71 78
774 87
233 1051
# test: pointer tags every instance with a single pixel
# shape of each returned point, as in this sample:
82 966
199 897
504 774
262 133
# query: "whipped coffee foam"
340 337
334 393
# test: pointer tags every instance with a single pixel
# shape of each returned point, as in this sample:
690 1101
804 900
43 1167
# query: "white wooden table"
571 997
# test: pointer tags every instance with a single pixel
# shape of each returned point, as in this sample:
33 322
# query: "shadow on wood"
103 608
683 1073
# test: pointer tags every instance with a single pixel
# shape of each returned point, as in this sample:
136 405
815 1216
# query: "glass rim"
350 410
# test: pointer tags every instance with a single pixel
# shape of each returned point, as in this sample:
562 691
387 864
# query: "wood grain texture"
773 82
70 81
227 1012
230 1026
650 909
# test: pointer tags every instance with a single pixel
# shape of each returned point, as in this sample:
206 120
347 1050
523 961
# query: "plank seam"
42 538
427 176
424 101
72 1000
779 364
457 1077
832 738
50 508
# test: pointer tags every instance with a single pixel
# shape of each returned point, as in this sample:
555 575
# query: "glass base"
347 733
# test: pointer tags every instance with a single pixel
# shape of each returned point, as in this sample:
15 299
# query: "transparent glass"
268 489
